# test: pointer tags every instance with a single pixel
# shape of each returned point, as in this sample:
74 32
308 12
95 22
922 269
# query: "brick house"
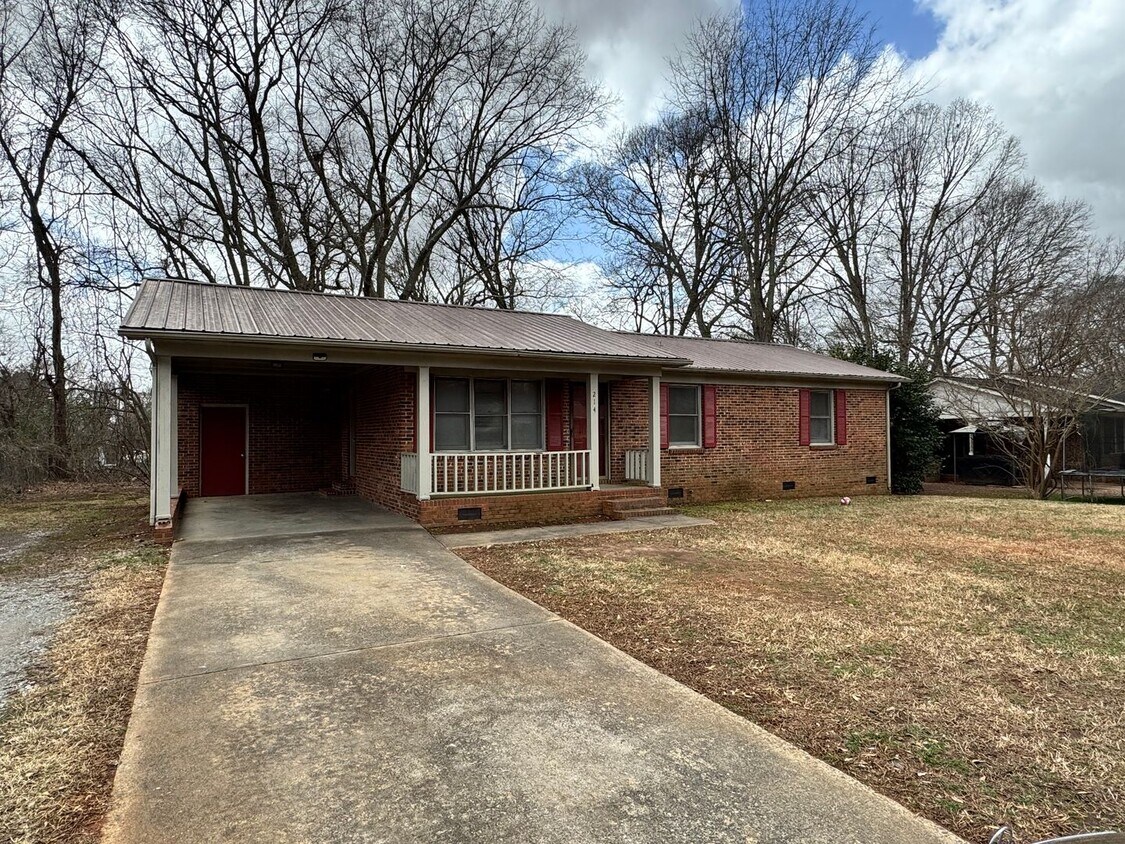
451 414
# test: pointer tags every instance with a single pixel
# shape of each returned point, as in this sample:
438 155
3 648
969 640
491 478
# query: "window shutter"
663 415
841 417
554 415
803 426
579 419
710 422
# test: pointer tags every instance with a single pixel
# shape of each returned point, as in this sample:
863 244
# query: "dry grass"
964 656
60 739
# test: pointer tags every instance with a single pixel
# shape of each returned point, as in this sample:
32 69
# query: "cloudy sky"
1054 71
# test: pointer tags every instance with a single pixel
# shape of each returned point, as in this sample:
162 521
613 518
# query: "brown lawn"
963 656
61 733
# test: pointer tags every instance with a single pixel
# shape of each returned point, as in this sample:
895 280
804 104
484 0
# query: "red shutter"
663 415
803 426
710 422
555 415
579 418
841 417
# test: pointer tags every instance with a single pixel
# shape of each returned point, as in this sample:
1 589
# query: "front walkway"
365 684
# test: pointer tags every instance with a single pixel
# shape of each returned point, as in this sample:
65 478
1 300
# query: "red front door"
222 451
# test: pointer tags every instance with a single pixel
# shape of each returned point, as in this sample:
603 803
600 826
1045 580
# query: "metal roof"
167 308
769 359
175 308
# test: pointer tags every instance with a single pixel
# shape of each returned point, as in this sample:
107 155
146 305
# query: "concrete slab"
233 603
243 516
371 686
483 538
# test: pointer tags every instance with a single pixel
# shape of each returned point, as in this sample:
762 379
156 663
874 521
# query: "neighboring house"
448 413
975 414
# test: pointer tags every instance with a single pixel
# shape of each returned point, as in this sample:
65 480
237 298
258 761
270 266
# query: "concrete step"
646 511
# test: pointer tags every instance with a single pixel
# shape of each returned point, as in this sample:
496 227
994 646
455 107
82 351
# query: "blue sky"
912 30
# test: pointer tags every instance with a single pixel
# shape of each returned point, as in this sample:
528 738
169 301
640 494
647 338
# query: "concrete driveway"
320 671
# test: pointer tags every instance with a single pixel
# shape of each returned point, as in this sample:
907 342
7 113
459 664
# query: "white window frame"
471 380
698 441
831 418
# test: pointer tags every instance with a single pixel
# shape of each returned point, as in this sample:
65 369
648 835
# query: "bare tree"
440 121
784 86
49 51
942 164
657 199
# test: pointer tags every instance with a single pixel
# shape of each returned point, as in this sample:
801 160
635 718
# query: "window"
683 416
527 415
821 417
451 414
487 414
490 415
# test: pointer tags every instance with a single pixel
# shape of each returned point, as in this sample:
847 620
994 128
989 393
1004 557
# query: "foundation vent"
468 514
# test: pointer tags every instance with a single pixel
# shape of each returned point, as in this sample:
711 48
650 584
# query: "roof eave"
134 333
824 376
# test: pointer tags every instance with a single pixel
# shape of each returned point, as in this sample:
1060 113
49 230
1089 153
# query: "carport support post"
422 446
592 435
163 448
654 433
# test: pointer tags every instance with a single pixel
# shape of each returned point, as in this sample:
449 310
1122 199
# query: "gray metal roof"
189 309
167 308
769 359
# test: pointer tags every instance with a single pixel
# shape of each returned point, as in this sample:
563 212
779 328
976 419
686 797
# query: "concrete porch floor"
347 678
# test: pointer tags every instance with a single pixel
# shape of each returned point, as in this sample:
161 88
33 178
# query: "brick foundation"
537 507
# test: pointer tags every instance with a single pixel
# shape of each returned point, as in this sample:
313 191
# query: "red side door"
222 451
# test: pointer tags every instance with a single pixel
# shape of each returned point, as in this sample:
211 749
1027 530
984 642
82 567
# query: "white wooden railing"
408 472
636 466
468 473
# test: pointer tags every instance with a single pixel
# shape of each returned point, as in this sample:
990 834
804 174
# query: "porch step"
631 508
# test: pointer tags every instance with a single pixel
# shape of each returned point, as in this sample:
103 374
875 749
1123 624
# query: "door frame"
245 446
604 453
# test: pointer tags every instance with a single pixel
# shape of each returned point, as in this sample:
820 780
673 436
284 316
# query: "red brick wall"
384 419
758 445
294 428
628 422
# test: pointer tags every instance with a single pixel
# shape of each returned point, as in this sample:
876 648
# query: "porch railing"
636 465
408 472
467 473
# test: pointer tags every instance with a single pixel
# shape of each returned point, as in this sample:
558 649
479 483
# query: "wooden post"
422 446
593 440
654 433
163 449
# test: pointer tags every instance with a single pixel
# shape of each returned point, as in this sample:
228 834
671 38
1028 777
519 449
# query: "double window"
683 415
487 414
822 417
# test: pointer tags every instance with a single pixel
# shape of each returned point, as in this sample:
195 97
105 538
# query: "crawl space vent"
468 514
788 484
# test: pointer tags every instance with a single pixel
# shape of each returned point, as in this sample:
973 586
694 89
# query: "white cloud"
629 43
1054 71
